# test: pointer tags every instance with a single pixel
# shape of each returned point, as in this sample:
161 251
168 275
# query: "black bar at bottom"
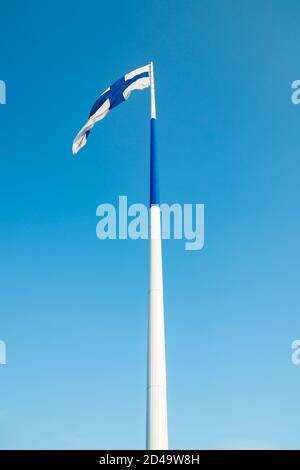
127 459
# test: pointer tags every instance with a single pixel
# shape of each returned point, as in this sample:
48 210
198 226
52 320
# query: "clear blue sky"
74 308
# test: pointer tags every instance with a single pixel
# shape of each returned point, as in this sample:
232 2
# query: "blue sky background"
74 308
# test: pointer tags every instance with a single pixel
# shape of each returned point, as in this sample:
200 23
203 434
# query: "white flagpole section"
157 426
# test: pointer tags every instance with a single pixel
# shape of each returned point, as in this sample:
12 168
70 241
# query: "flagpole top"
152 88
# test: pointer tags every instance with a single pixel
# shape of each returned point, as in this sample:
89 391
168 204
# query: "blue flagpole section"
154 189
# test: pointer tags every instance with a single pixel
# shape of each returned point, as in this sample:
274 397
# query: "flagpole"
157 426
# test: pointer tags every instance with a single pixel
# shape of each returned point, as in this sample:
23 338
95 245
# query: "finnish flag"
110 98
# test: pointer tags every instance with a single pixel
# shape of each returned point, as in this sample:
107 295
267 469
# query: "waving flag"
110 98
